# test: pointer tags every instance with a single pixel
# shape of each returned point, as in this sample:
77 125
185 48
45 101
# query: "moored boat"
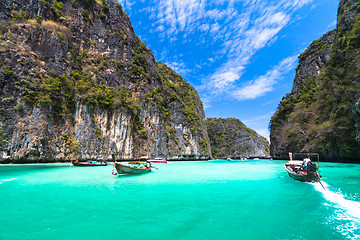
88 163
297 171
157 160
135 167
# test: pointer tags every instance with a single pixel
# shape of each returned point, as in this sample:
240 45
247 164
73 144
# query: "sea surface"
220 200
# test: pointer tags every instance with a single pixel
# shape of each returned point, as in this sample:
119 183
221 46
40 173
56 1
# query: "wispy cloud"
263 132
257 118
263 84
250 35
333 24
178 67
238 29
126 3
257 121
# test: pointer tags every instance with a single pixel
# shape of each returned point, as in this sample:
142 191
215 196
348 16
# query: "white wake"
346 211
7 180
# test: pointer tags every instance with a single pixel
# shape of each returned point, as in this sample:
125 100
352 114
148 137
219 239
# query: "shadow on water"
130 175
346 212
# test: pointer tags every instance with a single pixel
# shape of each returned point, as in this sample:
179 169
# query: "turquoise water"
180 200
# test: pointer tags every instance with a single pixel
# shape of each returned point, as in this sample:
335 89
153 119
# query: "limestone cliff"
320 114
231 138
76 82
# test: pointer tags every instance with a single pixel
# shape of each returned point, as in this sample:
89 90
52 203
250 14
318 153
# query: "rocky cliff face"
320 114
231 138
77 82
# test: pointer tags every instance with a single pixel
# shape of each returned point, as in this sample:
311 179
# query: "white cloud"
214 28
126 4
257 118
240 27
257 121
333 24
263 84
263 132
222 80
178 67
205 27
248 37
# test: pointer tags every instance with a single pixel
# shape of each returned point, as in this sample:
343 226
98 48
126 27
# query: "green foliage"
7 100
20 106
8 74
307 92
19 16
204 144
39 19
105 7
317 47
320 118
86 15
136 72
139 55
74 3
97 132
138 68
70 141
181 91
57 9
140 129
230 137
118 65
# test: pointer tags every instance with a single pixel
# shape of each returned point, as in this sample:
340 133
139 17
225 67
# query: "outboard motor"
311 166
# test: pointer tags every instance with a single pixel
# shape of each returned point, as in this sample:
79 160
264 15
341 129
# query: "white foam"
346 211
7 180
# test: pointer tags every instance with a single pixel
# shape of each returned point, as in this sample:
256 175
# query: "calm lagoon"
181 200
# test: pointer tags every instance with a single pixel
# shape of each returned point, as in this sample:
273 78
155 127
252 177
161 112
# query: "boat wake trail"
7 180
347 212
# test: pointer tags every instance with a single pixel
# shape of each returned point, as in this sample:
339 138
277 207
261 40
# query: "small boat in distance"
297 171
88 163
134 167
157 160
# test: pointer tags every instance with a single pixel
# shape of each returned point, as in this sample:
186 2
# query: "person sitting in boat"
305 164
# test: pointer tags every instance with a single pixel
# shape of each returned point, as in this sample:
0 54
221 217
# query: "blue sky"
240 55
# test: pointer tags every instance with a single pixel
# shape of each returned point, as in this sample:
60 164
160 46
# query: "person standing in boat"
305 164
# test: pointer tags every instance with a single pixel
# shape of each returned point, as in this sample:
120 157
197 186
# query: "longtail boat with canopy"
303 170
133 167
88 163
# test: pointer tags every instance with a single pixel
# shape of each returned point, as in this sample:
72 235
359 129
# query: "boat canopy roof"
137 162
294 162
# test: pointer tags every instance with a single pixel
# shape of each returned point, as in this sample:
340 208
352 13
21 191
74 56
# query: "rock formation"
76 82
321 112
230 138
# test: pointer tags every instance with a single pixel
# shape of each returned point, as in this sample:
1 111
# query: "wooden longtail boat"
89 163
133 167
296 171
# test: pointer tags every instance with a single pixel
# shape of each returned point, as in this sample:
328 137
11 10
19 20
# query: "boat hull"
157 161
79 164
123 169
304 178
300 175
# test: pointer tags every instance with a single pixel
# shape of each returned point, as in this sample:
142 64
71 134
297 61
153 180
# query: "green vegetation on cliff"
57 55
319 118
231 138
